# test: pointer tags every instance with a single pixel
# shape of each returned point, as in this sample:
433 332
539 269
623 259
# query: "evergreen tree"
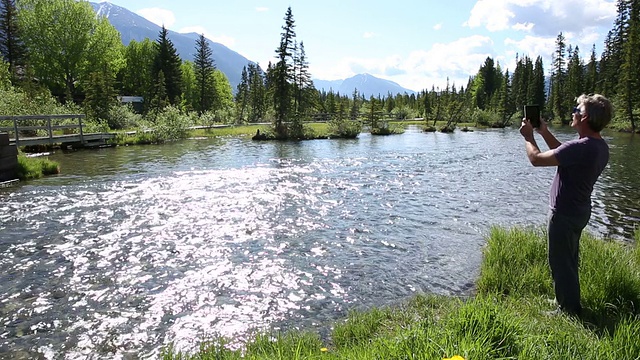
558 80
575 77
354 112
629 85
160 99
591 76
538 80
282 74
169 63
615 53
204 67
12 48
303 81
257 92
100 97
505 109
242 94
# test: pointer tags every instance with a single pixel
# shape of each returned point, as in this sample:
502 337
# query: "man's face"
578 114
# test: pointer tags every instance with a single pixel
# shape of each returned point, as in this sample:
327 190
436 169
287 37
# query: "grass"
35 167
313 131
504 319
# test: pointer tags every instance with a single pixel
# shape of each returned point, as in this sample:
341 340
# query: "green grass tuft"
35 168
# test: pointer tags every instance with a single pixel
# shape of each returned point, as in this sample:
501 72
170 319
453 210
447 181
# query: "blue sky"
414 43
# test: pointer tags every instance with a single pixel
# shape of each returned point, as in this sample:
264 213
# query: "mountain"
366 84
134 27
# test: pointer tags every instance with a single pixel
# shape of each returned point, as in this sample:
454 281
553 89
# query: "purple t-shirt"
581 162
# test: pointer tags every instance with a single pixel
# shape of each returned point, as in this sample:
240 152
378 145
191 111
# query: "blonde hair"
598 109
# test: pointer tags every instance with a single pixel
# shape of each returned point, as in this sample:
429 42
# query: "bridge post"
49 129
8 159
81 133
15 129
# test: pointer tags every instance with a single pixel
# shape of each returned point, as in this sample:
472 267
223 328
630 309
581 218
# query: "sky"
415 43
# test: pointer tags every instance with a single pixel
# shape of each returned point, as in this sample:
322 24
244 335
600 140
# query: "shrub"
484 117
35 168
171 124
123 117
347 129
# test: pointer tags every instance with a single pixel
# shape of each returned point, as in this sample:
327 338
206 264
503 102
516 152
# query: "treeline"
60 47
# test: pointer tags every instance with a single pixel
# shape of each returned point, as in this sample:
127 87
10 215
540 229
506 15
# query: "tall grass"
505 319
35 168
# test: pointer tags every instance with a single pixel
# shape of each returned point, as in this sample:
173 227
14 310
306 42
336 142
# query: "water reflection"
132 248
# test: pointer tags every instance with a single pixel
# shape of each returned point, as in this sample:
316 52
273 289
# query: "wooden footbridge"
30 130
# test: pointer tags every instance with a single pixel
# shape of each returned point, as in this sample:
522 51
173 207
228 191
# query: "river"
131 248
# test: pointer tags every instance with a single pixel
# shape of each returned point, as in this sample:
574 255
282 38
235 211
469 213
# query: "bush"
123 117
484 117
347 129
171 124
35 168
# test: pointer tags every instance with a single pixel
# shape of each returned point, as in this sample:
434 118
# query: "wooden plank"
55 127
63 139
41 117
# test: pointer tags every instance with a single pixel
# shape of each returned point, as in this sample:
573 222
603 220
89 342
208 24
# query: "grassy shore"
317 130
506 318
35 167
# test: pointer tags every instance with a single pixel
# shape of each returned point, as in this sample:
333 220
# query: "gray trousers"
564 244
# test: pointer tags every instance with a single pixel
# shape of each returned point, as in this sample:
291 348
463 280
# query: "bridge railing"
42 126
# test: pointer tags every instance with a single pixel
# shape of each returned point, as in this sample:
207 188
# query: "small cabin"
137 102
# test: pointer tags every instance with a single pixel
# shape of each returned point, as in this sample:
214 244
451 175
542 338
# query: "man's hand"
526 130
543 127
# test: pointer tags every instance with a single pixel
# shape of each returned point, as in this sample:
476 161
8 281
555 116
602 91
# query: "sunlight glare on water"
131 249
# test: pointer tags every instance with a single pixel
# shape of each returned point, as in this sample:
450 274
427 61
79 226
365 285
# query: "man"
580 162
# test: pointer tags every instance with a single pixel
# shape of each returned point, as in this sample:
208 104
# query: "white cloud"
368 35
420 69
542 17
262 9
225 40
437 26
158 16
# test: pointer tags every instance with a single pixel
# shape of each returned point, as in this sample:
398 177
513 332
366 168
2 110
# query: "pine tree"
204 67
619 37
303 81
12 48
282 74
354 112
242 94
591 76
629 83
168 62
575 77
160 99
256 93
538 81
505 109
558 80
100 97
